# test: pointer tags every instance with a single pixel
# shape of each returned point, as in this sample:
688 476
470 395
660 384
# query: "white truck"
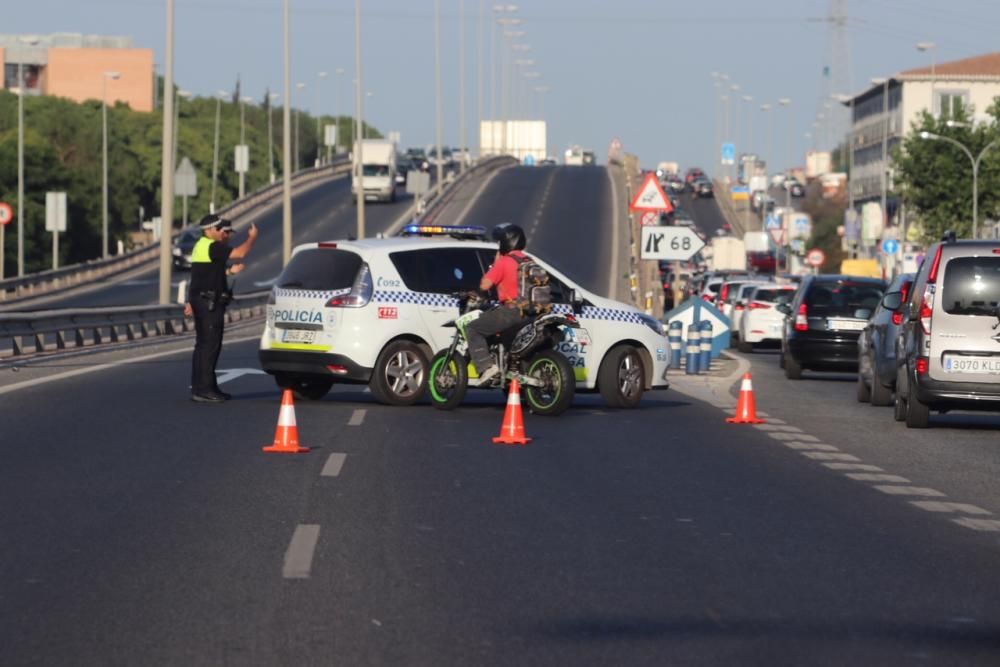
728 254
377 168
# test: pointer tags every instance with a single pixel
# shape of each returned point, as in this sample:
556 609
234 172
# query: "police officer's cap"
215 221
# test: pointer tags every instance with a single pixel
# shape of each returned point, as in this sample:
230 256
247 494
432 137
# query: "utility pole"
437 93
286 148
167 161
359 121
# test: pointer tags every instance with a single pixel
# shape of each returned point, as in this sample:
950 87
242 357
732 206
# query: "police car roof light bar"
456 231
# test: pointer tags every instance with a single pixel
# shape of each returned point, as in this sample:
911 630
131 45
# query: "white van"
378 170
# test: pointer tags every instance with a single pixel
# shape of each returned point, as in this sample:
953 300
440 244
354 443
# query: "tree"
934 176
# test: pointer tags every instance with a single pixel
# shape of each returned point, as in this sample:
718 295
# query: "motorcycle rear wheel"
448 380
556 394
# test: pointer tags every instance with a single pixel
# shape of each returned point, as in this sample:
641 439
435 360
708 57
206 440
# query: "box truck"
378 169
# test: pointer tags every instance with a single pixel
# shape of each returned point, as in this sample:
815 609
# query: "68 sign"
670 243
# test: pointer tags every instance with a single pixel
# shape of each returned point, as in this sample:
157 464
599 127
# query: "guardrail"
28 334
724 199
36 284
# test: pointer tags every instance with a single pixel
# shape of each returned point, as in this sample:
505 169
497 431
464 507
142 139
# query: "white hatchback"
373 311
762 321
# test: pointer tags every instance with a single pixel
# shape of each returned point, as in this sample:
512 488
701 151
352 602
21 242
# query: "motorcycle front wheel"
555 394
448 380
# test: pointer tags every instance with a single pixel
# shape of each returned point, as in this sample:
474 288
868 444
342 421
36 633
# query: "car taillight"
360 294
738 306
759 305
724 293
897 317
932 277
927 309
923 364
802 319
707 297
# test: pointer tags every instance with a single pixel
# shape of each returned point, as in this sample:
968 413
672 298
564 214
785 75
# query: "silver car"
877 345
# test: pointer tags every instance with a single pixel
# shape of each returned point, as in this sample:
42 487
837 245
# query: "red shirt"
503 274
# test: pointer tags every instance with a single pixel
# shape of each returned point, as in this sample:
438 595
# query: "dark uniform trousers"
490 322
208 327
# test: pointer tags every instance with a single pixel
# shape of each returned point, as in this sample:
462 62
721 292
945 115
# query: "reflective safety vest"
200 254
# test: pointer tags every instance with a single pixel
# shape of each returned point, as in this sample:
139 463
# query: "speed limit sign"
815 257
6 213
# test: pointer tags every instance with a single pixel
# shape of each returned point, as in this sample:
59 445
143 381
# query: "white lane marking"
334 465
876 477
988 525
100 367
853 466
228 374
893 490
826 456
792 436
815 446
357 417
773 420
299 556
941 506
777 427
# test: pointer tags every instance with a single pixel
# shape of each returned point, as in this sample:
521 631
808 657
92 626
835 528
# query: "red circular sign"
650 218
815 257
6 213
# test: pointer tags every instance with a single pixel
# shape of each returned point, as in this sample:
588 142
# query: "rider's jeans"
491 322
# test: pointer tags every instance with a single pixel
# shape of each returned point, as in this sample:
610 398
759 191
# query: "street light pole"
885 144
784 101
359 121
461 86
243 142
336 109
439 158
104 162
215 152
975 172
298 112
167 160
286 145
270 134
29 41
932 47
319 140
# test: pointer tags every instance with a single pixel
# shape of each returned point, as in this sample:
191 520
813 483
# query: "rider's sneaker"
487 376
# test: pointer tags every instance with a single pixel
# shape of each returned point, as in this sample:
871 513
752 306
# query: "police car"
372 311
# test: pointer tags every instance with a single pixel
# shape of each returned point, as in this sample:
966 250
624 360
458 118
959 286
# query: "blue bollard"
706 346
675 336
693 350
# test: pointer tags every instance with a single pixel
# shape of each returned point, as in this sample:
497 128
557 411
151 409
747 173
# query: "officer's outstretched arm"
242 250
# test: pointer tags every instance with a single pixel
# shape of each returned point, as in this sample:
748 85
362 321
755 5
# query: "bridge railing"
24 334
43 282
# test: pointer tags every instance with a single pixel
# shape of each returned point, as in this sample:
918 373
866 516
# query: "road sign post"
55 221
6 215
185 184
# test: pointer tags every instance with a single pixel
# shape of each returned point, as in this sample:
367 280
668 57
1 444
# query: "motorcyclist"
502 275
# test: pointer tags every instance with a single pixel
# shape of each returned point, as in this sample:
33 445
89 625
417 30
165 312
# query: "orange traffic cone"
512 431
746 406
286 437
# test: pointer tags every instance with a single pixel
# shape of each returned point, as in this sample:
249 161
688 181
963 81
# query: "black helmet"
509 236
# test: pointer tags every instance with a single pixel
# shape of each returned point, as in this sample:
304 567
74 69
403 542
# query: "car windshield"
321 269
375 170
971 286
843 298
774 294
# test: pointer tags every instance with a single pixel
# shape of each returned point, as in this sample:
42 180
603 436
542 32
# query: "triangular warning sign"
651 197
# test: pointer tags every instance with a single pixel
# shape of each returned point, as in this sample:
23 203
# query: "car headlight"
654 324
177 252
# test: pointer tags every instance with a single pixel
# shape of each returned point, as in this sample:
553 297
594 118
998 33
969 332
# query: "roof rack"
471 232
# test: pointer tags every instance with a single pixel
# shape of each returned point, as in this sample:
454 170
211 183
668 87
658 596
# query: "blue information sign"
890 246
728 153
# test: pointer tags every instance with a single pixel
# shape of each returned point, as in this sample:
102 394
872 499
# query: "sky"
638 70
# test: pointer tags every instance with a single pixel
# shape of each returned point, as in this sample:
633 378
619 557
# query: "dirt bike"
525 351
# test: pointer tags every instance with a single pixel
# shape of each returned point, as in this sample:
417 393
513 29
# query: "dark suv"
949 355
823 322
877 345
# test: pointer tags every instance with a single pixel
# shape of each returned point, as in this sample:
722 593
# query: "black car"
796 189
824 321
877 346
185 246
702 188
403 166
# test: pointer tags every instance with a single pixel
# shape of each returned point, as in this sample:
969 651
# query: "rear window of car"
440 270
773 295
320 269
843 298
971 286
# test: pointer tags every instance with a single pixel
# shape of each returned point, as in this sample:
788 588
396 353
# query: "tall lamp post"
166 160
219 95
975 170
929 46
438 122
319 140
286 146
243 141
359 120
849 146
785 101
884 82
299 86
270 134
28 41
336 109
104 162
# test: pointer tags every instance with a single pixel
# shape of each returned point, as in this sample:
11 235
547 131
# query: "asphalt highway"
141 528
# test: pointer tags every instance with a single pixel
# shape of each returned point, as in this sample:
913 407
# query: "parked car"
877 346
184 246
949 354
403 167
729 296
693 174
761 322
739 299
675 184
824 321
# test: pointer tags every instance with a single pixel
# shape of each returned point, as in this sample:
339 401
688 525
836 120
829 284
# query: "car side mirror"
577 302
892 300
783 308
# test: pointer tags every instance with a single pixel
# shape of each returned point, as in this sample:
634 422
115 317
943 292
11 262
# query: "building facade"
885 112
75 66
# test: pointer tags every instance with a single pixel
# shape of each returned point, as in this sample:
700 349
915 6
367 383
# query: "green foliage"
827 215
63 152
934 176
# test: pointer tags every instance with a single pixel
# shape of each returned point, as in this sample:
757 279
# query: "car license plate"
955 363
846 325
298 336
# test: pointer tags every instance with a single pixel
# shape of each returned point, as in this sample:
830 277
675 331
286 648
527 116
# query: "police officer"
502 275
208 295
